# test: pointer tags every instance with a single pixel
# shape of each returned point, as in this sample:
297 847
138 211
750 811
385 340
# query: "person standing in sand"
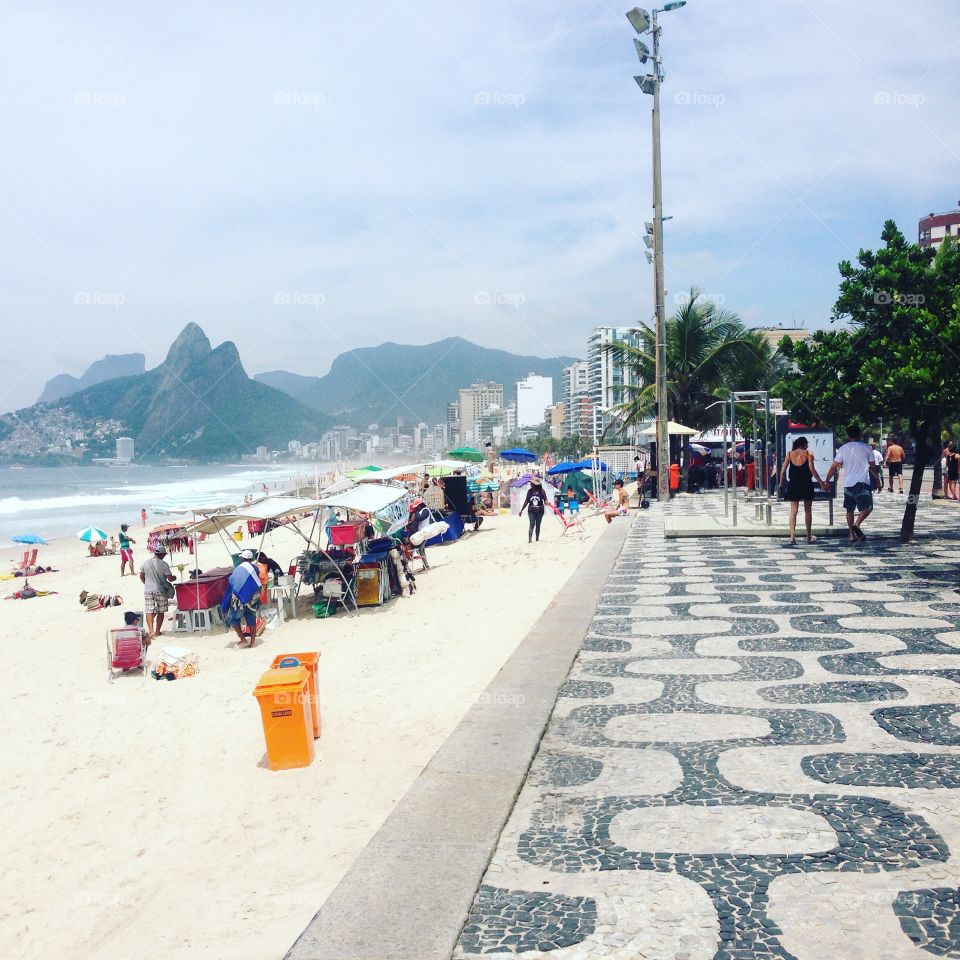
155 574
241 602
143 516
126 551
535 502
798 485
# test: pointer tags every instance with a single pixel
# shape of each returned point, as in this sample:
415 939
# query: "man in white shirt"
860 478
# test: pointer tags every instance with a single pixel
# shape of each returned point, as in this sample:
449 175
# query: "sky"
306 178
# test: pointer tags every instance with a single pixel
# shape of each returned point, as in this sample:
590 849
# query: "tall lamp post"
642 22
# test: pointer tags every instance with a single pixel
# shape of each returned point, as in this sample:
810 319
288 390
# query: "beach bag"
169 591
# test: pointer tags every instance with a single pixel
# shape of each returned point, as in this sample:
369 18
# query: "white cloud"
398 160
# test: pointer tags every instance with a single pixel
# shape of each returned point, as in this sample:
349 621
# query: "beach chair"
598 505
28 562
125 651
574 523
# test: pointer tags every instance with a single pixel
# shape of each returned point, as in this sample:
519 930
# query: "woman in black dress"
799 472
953 473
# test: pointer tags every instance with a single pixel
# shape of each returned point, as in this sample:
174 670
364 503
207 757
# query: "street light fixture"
643 21
639 19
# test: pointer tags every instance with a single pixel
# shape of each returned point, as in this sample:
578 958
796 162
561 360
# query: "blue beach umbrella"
518 455
564 466
28 538
591 464
92 534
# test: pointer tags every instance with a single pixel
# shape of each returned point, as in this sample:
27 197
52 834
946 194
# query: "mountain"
379 384
111 366
199 403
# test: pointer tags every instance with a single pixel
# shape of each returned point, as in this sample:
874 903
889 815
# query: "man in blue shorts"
860 479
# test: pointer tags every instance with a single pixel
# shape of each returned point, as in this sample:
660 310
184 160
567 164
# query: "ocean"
60 501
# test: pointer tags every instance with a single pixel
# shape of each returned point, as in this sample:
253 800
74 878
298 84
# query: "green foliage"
709 352
899 352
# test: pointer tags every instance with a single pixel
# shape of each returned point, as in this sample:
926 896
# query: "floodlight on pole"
639 19
643 51
642 22
645 83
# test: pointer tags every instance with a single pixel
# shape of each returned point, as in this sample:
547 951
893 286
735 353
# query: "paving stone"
628 784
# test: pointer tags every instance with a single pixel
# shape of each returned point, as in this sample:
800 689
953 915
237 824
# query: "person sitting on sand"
621 503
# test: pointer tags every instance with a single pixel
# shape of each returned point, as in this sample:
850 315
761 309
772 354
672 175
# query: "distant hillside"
379 384
198 404
111 366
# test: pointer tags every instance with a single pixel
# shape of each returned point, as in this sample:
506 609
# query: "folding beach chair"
27 565
575 523
125 651
598 505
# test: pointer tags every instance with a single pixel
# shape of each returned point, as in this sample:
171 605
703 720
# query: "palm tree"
709 352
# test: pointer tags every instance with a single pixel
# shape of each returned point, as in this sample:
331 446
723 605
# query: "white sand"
139 818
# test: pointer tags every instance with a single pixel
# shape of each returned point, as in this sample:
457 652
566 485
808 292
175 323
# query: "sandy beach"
141 818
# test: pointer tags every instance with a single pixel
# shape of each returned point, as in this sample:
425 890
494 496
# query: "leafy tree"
898 354
709 352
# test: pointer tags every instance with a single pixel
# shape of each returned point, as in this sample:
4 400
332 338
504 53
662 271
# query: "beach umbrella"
27 538
674 429
468 454
591 464
518 455
698 448
92 534
564 466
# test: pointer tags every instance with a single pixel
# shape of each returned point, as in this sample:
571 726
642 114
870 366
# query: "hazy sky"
307 178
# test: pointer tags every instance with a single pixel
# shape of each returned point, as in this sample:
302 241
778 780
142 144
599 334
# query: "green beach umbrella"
468 454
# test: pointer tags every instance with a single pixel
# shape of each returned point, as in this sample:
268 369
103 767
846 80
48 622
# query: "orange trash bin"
311 662
284 700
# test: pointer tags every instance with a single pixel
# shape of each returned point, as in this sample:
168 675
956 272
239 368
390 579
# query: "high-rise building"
124 449
934 227
534 395
576 397
613 379
474 401
558 416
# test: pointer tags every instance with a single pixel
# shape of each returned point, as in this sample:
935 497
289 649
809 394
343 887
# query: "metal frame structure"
759 400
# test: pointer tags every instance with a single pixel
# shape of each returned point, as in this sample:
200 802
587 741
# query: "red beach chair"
573 524
598 505
125 651
28 563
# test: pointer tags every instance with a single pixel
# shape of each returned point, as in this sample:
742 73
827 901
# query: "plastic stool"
205 619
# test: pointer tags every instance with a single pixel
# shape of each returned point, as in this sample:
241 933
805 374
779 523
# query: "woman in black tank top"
799 472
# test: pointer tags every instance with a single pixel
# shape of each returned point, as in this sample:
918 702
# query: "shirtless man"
893 461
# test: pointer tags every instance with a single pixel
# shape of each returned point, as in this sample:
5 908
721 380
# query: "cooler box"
201 594
287 717
342 534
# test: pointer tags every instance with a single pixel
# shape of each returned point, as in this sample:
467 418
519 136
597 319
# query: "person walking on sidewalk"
894 463
798 485
860 478
534 504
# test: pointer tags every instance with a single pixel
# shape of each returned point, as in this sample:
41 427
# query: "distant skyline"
304 180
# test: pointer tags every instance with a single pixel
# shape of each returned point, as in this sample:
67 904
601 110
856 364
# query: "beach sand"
140 818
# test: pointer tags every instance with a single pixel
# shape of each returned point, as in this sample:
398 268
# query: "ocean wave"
12 505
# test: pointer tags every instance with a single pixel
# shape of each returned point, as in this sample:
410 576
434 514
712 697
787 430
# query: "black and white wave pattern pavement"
755 756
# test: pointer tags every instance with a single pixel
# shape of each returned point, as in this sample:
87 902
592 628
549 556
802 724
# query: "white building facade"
534 395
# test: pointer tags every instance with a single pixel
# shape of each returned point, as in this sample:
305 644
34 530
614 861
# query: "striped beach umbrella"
92 534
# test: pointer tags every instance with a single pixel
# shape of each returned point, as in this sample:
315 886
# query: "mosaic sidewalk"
755 756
